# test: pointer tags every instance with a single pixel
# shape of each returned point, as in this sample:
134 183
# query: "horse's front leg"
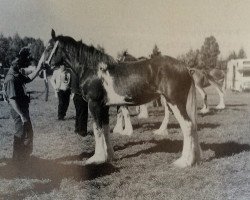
103 148
163 128
128 130
143 112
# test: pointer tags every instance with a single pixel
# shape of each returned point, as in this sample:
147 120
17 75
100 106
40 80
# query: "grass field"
142 169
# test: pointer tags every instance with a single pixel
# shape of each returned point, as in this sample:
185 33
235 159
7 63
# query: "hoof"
127 132
96 160
220 107
204 110
181 163
161 132
117 130
142 116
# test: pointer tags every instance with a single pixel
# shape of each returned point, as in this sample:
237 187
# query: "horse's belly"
129 95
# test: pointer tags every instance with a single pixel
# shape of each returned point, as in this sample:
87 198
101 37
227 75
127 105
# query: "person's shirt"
14 85
60 80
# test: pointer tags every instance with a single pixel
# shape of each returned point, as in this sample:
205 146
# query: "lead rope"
44 71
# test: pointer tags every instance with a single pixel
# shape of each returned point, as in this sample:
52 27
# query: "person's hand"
45 66
72 96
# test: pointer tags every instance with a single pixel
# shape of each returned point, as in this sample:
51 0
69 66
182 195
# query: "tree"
15 46
191 58
209 53
242 54
37 48
4 46
232 56
155 52
10 47
222 64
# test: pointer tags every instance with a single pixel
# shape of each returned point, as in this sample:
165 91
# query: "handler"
18 100
60 81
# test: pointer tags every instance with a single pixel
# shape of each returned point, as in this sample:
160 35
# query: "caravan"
238 75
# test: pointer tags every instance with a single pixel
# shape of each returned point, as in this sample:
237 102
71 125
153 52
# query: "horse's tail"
191 106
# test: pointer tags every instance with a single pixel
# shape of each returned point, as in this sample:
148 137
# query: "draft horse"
107 83
202 79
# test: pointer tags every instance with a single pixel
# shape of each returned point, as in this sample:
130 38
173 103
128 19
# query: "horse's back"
217 74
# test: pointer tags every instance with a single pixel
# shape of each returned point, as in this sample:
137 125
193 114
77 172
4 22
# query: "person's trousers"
23 137
81 120
63 98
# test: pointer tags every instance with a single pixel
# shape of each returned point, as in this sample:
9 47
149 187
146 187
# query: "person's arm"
16 107
35 73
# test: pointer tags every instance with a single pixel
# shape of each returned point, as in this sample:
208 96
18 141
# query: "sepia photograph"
115 99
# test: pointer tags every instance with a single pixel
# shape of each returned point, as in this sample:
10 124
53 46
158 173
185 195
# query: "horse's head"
55 54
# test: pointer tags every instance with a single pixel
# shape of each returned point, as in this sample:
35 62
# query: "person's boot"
22 148
17 150
27 140
28 147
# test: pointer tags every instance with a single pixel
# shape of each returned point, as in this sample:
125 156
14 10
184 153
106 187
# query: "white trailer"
238 75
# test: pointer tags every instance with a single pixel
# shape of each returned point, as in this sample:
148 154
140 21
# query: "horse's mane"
86 55
128 57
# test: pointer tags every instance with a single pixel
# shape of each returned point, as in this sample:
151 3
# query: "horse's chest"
112 96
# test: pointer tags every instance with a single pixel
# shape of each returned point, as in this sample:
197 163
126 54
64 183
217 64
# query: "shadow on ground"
37 168
156 125
221 150
55 170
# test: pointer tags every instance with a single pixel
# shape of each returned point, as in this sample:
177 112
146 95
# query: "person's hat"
24 52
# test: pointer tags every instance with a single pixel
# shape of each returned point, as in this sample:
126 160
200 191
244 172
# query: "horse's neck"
83 59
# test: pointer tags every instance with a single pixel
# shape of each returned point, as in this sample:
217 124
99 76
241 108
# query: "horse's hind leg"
143 112
128 130
191 149
119 126
163 128
103 148
205 108
221 104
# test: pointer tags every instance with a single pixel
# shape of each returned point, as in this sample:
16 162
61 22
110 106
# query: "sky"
175 26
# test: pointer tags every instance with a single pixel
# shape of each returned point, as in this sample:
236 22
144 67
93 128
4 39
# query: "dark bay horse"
109 83
202 79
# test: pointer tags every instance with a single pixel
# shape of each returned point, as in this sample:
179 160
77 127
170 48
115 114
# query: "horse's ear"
53 34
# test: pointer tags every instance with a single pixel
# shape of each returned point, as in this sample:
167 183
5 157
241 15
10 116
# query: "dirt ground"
143 166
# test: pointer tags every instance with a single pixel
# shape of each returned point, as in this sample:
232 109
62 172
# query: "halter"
44 71
52 52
